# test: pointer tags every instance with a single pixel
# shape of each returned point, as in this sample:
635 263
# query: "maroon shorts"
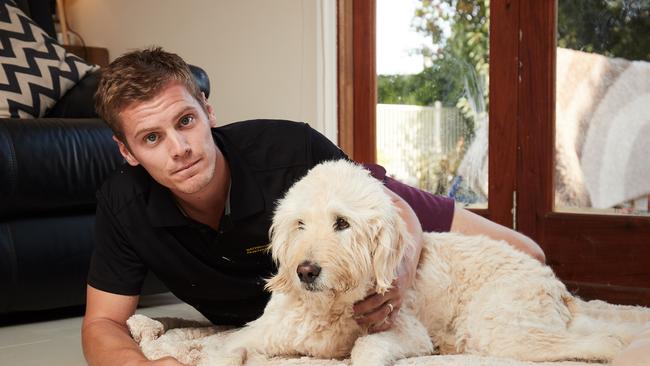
434 212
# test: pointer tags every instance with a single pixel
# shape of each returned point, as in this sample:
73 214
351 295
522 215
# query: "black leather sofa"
50 169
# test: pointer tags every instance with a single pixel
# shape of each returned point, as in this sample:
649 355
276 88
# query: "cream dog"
336 235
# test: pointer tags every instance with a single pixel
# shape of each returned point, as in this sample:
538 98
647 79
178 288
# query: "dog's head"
336 231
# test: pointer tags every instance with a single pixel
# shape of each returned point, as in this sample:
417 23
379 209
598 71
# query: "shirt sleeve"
322 149
114 267
435 212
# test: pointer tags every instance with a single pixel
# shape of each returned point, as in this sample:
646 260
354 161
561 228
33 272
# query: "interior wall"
261 55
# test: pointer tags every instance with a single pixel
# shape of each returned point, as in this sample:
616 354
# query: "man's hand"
105 336
378 311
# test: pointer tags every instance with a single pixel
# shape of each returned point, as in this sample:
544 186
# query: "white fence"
412 140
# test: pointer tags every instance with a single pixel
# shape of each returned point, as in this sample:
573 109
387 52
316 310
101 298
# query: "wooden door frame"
357 97
536 100
503 111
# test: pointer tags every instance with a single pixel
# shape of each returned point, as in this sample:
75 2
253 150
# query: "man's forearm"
469 223
108 343
525 244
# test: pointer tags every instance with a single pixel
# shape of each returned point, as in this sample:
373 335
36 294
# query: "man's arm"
105 336
467 222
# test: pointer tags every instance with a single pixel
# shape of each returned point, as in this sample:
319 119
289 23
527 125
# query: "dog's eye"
301 225
341 224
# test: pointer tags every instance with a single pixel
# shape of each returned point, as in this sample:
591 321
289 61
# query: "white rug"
446 360
173 343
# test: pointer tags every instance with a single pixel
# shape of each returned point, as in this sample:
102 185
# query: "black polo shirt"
219 272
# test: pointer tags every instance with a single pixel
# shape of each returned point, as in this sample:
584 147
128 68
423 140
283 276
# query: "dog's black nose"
308 271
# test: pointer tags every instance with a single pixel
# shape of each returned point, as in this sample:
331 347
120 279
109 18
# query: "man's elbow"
540 256
534 250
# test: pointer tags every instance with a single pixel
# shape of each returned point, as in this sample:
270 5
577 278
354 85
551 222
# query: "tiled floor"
58 342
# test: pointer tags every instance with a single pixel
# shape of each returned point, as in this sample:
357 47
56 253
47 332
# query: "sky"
395 38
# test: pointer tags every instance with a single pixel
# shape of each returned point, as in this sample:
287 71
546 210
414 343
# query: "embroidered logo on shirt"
256 249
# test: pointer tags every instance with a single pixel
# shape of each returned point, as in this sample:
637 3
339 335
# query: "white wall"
264 58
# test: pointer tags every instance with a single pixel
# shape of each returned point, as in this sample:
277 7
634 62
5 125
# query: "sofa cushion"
79 101
53 166
35 71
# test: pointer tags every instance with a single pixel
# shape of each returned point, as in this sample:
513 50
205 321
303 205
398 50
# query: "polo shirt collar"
245 195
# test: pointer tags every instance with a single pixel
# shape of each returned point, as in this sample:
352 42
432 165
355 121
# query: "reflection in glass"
432 64
603 106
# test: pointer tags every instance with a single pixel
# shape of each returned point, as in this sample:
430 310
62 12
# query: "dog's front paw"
603 347
235 357
406 339
144 329
366 352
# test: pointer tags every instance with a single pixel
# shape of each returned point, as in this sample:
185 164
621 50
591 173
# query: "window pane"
432 66
603 107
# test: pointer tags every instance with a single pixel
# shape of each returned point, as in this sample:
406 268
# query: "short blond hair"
139 76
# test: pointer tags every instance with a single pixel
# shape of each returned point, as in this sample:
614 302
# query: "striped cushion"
36 71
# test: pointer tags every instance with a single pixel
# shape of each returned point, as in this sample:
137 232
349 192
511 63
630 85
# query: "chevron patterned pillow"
36 71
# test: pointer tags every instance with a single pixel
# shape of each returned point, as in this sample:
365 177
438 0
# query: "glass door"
432 95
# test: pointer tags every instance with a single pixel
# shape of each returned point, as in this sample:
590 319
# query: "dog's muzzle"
308 272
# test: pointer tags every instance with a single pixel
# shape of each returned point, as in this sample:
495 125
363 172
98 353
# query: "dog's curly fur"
472 294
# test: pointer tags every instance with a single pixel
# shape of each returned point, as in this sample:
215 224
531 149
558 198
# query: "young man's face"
170 137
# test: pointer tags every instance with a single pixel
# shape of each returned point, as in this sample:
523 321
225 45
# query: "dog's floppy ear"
279 283
279 234
390 242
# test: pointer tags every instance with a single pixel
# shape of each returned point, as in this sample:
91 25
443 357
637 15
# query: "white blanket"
156 343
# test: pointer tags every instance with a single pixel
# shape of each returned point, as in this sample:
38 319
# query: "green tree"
614 28
438 82
461 54
458 71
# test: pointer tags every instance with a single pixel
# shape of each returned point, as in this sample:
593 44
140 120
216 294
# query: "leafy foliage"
614 28
457 55
438 82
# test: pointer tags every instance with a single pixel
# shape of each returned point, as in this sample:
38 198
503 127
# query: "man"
194 205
